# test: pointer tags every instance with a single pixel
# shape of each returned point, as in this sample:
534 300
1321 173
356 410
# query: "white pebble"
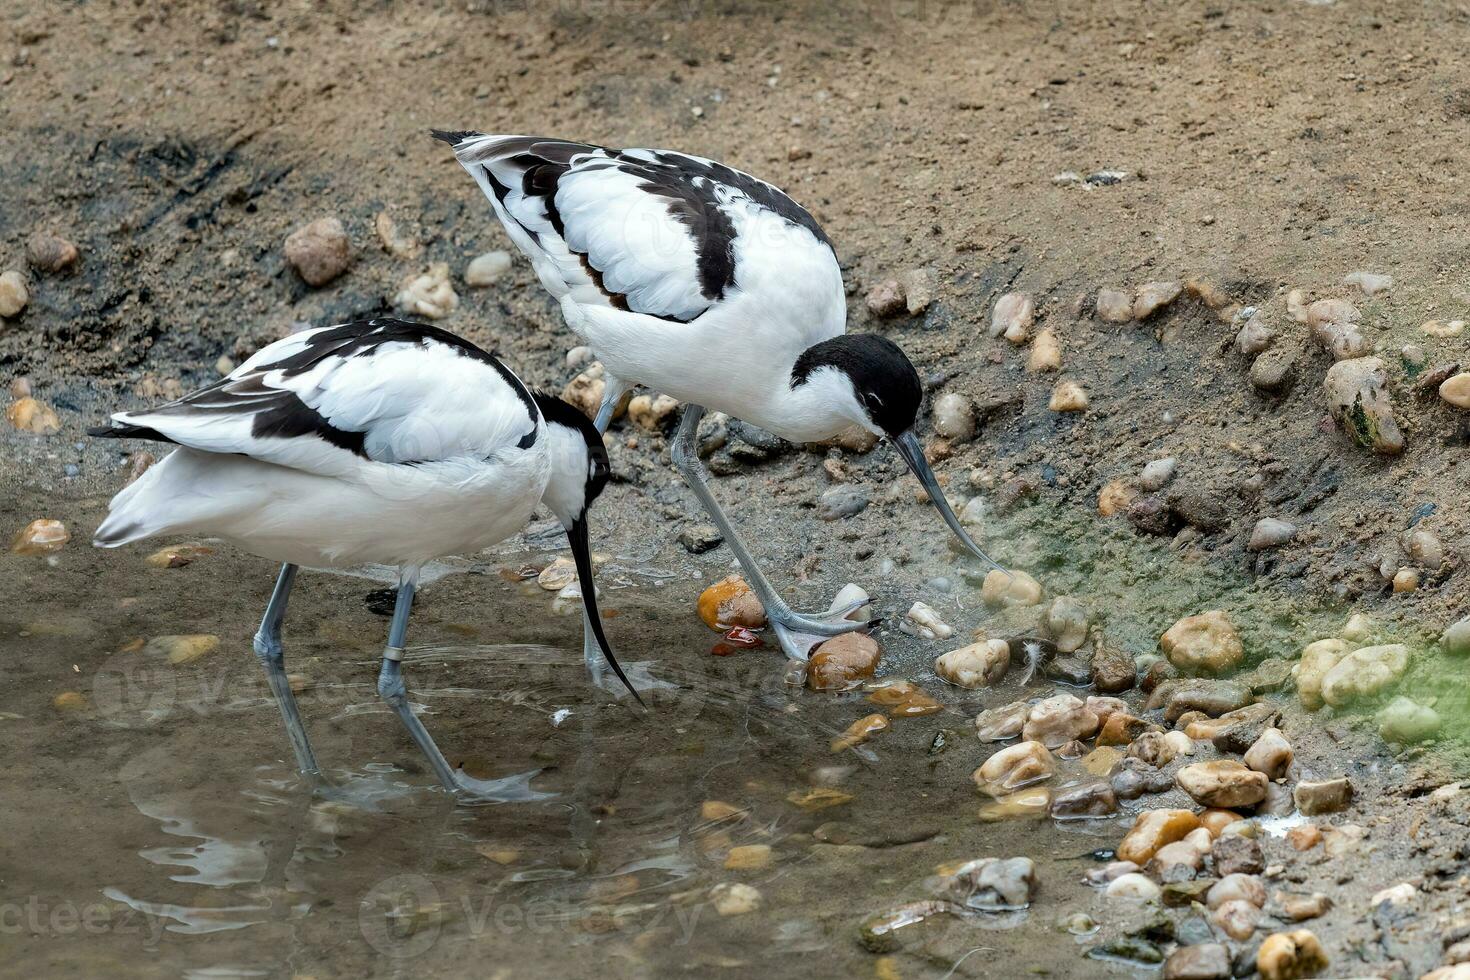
921 620
1157 473
1371 283
486 269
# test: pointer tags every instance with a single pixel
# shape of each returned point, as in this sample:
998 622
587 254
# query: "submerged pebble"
1003 723
734 898
1014 767
1014 588
731 602
990 884
182 649
843 662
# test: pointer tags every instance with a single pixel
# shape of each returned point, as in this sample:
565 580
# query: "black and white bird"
375 441
713 287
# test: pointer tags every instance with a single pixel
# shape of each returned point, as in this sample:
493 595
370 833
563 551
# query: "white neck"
819 409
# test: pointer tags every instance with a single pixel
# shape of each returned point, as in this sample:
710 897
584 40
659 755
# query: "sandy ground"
1264 147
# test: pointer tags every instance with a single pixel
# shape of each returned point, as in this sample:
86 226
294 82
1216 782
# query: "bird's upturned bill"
908 447
582 555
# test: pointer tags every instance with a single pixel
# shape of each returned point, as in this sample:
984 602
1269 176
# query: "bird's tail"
137 510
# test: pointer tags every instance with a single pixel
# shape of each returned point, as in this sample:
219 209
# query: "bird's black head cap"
882 376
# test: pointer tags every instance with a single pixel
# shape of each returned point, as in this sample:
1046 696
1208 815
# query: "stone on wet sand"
1271 754
1270 532
1153 749
47 251
1152 830
1205 961
1371 283
184 649
1299 908
1364 673
1212 697
843 662
1015 766
734 898
1406 721
1314 797
918 290
1115 497
887 299
1233 854
1132 778
487 269
1066 622
1455 640
429 294
1014 588
1405 580
1012 317
982 664
1237 887
1255 335
1122 728
1203 644
1157 473
1334 324
1176 862
1358 398
860 731
400 246
319 251
42 536
1154 296
1236 919
1046 352
1290 956
1058 720
730 602
835 503
1403 893
1274 371
922 621
557 575
1114 305
1456 390
1181 743
1133 887
1003 723
1304 837
1223 783
13 293
1067 396
954 417
1085 800
1342 839
34 416
990 884
1113 670
1317 660
178 555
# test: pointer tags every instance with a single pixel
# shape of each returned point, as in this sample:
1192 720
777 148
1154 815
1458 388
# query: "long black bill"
908 447
582 555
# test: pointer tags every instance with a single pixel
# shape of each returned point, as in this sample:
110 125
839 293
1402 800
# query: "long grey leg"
392 690
613 391
798 632
269 651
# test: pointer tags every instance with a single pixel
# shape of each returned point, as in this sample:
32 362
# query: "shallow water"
161 829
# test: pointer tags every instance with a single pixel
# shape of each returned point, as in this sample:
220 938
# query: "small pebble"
1014 767
921 620
1114 305
1012 317
1405 721
49 252
1290 956
397 245
978 665
1013 588
487 269
1255 335
954 417
1205 643
319 251
1067 396
1133 887
652 413
1274 370
1456 390
887 299
1157 473
1222 783
40 537
33 416
1455 640
1444 328
1154 296
1369 282
918 289
428 295
1322 796
13 293
1046 352
843 662
184 649
730 602
1270 532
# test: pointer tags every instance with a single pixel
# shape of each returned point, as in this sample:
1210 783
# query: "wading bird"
376 441
713 287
